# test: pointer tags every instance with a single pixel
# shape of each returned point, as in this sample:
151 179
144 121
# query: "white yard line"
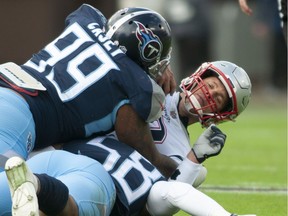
282 191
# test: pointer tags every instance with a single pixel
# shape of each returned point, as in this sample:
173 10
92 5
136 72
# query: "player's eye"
211 86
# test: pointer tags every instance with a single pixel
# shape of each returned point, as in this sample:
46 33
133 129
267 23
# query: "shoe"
23 186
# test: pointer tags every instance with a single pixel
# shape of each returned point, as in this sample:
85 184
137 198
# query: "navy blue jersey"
132 174
87 79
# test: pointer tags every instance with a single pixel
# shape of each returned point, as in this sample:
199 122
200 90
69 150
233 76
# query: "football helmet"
236 82
145 37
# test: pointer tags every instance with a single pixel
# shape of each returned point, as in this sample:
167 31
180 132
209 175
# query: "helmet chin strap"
196 104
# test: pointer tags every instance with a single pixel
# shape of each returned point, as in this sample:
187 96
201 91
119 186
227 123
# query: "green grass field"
250 174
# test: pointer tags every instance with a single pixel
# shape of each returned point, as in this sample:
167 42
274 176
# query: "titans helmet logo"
150 46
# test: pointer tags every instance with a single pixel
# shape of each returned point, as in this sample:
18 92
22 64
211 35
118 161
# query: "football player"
136 181
216 92
94 78
220 99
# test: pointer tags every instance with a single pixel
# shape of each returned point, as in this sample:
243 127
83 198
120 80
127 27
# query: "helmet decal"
144 36
150 46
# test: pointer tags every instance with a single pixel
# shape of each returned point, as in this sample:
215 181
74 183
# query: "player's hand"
245 8
167 81
209 143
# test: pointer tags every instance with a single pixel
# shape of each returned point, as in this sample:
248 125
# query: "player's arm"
209 144
135 132
245 7
167 81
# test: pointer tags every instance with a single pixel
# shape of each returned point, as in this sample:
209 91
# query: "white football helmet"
235 80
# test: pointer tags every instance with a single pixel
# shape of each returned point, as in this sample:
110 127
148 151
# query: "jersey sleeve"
145 95
155 106
86 13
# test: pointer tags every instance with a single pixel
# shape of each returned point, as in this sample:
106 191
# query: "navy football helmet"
236 82
145 37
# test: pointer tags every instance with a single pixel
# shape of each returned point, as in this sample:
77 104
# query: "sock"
53 195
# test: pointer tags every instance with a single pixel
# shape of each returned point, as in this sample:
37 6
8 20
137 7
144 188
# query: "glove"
210 143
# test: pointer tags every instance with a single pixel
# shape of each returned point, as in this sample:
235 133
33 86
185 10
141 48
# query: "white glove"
209 143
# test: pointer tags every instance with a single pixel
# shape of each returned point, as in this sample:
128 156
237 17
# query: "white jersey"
169 133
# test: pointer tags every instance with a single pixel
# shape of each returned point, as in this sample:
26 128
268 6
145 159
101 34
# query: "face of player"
217 92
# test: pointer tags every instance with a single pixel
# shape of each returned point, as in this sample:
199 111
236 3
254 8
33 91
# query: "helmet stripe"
121 21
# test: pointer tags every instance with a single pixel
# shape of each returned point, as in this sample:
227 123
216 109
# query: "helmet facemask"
208 112
157 69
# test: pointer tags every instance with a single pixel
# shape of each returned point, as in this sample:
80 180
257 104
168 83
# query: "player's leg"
166 198
5 203
24 185
90 187
17 127
89 184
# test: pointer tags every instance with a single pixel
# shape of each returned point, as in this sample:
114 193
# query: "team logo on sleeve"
149 45
29 142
